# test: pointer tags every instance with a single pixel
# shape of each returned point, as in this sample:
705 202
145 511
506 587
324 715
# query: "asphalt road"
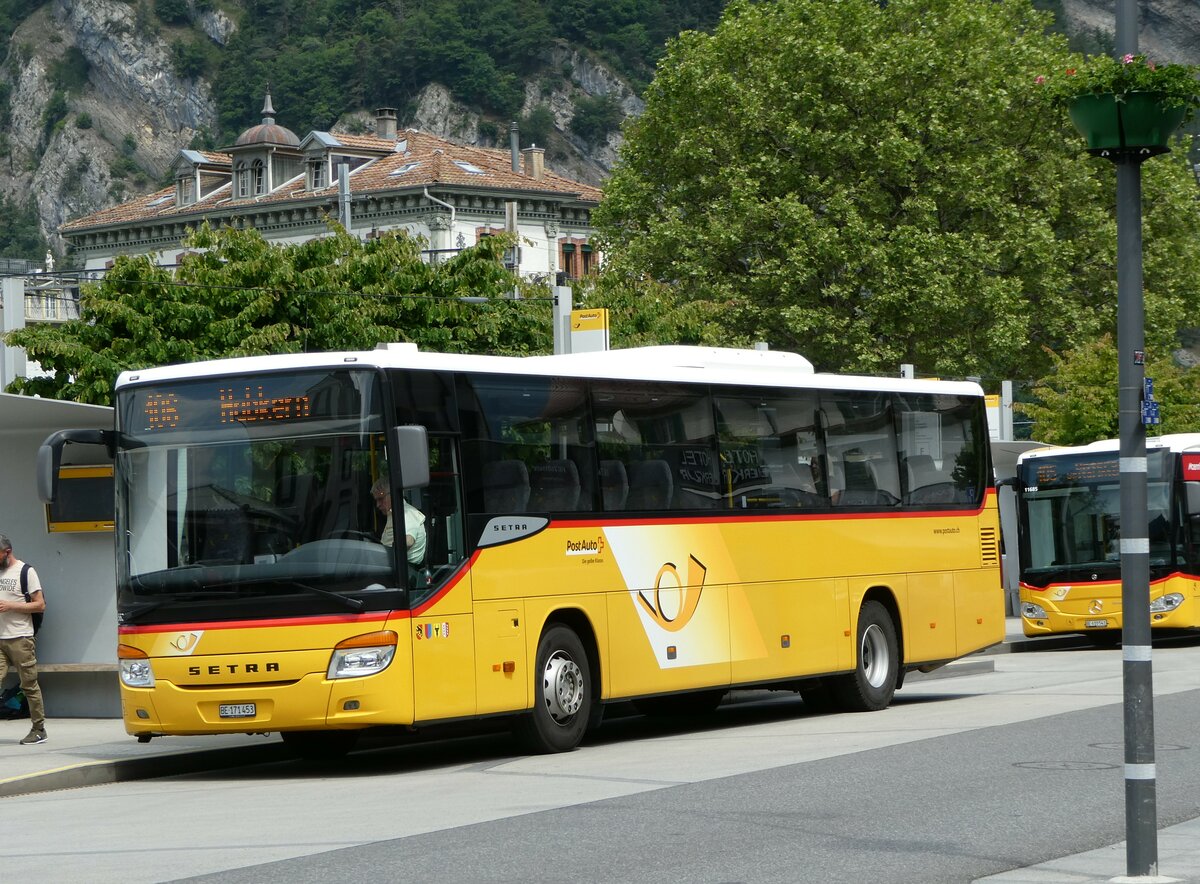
962 778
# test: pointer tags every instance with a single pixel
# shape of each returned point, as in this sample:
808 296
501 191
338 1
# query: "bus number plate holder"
1096 624
237 710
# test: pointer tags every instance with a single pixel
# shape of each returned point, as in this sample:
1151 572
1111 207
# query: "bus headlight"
1030 611
136 671
1168 602
362 655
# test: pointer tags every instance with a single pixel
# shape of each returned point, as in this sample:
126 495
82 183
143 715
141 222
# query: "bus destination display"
1065 472
225 402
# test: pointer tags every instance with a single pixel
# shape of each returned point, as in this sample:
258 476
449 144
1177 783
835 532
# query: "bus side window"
614 485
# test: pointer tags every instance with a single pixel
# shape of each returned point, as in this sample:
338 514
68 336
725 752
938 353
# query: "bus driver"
414 522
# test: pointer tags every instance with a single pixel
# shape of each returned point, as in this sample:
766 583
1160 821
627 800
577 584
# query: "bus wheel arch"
566 686
877 656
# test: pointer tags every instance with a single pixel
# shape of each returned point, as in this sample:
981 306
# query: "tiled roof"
418 159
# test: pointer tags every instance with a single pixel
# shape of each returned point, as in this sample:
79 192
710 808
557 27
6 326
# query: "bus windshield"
251 498
1071 516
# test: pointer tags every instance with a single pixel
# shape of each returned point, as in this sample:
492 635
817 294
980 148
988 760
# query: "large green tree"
238 295
1077 402
872 184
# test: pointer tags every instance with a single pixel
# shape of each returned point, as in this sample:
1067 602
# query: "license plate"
1096 623
237 710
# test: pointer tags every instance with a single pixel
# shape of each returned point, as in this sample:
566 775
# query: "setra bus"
657 524
1069 529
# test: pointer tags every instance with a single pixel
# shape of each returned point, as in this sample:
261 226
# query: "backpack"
37 618
13 704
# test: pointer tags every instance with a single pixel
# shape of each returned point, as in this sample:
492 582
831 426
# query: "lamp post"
1141 833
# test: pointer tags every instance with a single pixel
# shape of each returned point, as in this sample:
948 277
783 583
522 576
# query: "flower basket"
1127 107
1137 122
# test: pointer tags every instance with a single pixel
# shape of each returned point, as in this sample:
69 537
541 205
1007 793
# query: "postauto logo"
591 547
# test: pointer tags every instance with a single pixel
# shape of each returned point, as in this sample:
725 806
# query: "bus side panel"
670 630
502 676
980 600
647 656
443 643
929 628
785 628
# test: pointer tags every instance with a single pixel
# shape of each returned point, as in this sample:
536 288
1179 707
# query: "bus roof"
768 368
1177 442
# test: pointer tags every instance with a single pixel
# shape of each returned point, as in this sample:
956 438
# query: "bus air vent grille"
988 548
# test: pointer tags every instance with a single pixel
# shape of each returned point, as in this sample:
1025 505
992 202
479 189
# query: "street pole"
1141 831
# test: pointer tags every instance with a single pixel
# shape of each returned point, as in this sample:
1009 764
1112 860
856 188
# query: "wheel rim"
874 656
562 687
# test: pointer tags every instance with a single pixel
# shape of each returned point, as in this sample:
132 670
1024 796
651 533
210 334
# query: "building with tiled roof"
287 187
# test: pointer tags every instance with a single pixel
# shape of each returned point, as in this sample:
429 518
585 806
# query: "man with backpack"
21 607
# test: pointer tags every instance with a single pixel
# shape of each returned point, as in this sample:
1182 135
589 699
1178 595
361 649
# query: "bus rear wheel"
319 745
872 684
562 692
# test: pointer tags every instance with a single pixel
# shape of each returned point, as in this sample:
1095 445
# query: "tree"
238 295
872 184
1077 402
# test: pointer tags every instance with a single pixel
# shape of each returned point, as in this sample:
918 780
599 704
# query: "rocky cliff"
119 130
97 114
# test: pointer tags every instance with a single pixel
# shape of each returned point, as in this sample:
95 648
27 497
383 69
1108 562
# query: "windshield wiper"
352 604
139 609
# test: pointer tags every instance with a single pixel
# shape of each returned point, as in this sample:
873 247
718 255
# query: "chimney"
514 140
385 123
535 162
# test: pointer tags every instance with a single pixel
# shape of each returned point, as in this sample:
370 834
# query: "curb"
103 772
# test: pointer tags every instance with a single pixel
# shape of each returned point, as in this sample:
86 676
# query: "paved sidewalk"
88 751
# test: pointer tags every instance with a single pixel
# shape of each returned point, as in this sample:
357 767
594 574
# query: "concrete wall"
78 640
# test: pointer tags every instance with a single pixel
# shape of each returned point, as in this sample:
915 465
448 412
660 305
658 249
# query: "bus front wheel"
873 683
562 692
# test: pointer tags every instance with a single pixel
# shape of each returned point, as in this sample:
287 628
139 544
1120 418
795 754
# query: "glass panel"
255 500
769 453
663 437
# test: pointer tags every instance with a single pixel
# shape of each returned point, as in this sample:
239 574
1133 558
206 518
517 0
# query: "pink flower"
1150 65
1127 59
1040 80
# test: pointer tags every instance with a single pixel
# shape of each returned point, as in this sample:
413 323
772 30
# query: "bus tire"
319 745
562 694
872 684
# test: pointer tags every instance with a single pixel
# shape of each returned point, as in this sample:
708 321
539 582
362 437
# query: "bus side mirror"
1010 482
412 447
1193 499
49 456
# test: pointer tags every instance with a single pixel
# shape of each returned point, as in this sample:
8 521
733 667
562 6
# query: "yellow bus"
657 524
1068 523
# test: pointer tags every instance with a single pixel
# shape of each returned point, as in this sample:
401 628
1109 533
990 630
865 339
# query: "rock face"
1169 30
120 133
117 136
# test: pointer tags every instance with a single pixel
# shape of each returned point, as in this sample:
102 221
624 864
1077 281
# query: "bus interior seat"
927 484
861 488
505 486
614 484
554 486
650 485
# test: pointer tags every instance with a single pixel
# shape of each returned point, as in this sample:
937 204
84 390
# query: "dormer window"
316 174
185 189
259 179
243 180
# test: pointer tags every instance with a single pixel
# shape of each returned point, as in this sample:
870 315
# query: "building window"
185 190
316 174
260 181
576 257
243 181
